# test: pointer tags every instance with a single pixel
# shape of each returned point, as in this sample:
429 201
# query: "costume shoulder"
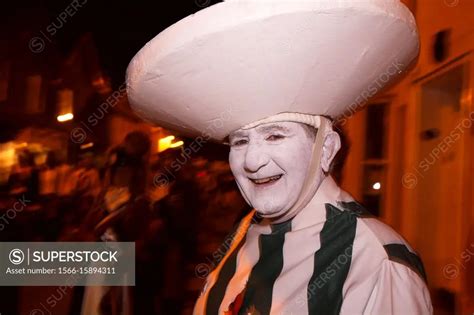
382 239
386 275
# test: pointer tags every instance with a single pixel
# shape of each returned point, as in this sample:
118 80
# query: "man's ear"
332 144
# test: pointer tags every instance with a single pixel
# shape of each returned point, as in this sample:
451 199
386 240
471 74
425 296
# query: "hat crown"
241 61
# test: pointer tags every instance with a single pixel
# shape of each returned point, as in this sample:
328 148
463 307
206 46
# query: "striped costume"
332 258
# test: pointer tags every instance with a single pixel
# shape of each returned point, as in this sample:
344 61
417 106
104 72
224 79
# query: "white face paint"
270 164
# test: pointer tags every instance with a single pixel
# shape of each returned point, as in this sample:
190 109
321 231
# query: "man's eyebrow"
273 127
238 133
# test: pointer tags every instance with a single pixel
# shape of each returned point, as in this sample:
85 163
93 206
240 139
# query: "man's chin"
266 212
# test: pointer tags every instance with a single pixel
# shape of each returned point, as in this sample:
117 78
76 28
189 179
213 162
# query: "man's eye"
274 137
239 142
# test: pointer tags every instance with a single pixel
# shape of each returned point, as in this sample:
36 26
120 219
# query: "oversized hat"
242 61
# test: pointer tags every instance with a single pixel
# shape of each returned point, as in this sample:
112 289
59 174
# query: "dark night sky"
120 28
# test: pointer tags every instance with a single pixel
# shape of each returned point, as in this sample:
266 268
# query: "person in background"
88 183
123 214
48 176
178 210
64 173
48 188
24 178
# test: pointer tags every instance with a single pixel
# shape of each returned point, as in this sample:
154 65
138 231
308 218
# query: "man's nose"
255 158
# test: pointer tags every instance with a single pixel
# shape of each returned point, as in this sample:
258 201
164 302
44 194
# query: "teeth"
266 180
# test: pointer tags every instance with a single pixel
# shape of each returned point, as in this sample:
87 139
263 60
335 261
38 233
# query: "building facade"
412 149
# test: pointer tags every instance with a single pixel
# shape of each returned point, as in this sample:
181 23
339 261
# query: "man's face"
270 163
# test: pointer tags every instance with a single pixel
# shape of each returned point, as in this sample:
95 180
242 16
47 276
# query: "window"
375 160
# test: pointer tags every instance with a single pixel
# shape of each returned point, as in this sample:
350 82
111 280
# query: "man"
268 76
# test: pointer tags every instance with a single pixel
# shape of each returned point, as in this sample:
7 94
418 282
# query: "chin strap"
311 183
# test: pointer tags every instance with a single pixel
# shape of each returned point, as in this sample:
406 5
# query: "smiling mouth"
266 180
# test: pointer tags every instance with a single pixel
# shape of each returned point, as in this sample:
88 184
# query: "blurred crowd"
176 208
